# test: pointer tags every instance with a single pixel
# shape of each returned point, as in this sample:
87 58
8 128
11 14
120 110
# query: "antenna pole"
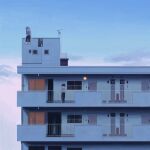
60 36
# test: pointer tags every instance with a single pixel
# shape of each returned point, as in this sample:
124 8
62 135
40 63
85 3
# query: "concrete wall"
50 44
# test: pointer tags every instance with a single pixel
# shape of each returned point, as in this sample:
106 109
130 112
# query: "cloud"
9 113
139 57
135 58
7 71
75 57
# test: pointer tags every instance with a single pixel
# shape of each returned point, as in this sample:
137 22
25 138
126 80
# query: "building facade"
80 108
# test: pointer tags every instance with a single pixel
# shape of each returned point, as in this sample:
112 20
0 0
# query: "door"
112 89
117 124
54 124
122 123
50 90
113 123
122 83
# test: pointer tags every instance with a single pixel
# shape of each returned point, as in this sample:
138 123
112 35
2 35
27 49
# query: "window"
122 114
35 52
112 114
40 42
74 119
74 148
145 118
122 81
145 85
30 51
54 147
112 81
92 119
92 85
36 117
36 147
74 85
46 52
36 84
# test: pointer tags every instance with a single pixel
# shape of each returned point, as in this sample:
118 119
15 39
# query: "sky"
94 32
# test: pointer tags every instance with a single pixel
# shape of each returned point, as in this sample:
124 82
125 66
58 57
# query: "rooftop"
84 70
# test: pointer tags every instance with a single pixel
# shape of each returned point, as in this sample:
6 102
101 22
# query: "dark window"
35 52
112 81
40 42
74 85
74 148
54 148
74 119
122 81
122 114
64 61
112 114
30 51
36 148
46 51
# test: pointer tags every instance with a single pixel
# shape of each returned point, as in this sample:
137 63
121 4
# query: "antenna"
59 32
59 35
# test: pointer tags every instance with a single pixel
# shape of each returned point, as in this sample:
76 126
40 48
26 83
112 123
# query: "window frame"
74 118
74 85
35 52
46 52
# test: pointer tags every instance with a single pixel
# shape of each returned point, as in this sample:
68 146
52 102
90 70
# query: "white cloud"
9 113
134 58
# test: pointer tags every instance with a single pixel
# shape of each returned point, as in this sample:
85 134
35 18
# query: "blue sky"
95 32
91 28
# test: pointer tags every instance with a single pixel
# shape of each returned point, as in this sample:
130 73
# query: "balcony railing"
60 97
83 132
106 97
69 130
58 130
85 98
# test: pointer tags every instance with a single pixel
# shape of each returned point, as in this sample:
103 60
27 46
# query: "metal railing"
60 96
60 130
105 96
106 131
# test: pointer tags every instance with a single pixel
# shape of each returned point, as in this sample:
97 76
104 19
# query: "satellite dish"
28 34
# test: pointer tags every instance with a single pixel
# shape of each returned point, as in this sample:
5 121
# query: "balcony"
95 133
72 98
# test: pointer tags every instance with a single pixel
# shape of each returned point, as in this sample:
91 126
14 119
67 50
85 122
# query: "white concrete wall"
51 59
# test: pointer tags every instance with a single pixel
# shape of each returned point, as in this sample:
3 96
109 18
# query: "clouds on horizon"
9 113
134 58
